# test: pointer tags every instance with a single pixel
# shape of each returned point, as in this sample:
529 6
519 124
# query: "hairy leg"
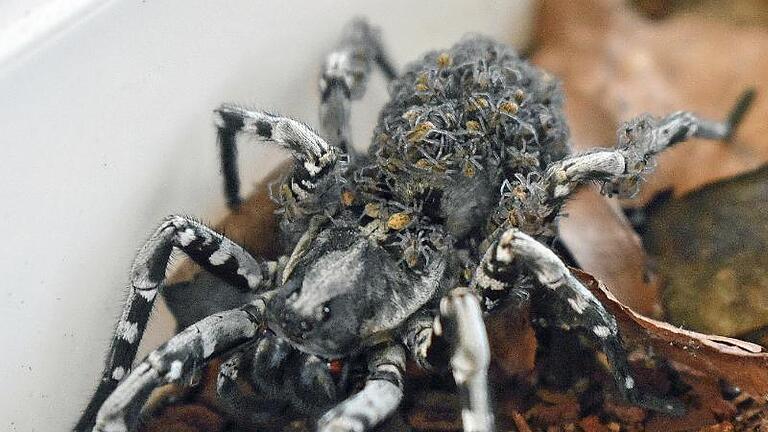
459 330
250 384
243 401
215 253
379 398
345 75
621 168
280 375
182 356
462 320
567 303
315 158
422 343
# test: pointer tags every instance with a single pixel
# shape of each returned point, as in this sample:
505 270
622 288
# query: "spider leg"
183 355
314 389
345 75
316 158
252 385
460 331
214 252
261 402
462 321
567 303
282 378
423 344
639 140
379 398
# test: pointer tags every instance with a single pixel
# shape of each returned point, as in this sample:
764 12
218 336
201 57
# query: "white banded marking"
601 331
148 295
127 331
187 236
253 279
118 373
629 382
578 304
486 281
221 255
312 168
175 371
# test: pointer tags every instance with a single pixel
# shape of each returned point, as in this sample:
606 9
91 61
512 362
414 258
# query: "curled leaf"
709 358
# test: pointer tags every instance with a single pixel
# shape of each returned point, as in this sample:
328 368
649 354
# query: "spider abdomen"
460 122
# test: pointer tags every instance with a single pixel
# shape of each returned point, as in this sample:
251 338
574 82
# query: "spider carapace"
385 255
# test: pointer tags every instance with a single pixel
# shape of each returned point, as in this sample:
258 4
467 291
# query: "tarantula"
451 214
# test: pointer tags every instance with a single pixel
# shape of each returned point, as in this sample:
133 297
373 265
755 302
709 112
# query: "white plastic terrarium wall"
105 124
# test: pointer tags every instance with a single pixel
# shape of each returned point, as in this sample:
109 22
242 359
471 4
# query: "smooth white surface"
106 128
27 25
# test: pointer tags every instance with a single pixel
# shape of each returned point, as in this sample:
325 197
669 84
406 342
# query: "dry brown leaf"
614 65
703 361
187 418
741 363
199 413
748 12
513 342
603 242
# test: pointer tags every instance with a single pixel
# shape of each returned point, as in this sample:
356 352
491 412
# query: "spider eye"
326 313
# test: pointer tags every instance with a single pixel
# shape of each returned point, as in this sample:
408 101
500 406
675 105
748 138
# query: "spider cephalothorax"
344 292
450 214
